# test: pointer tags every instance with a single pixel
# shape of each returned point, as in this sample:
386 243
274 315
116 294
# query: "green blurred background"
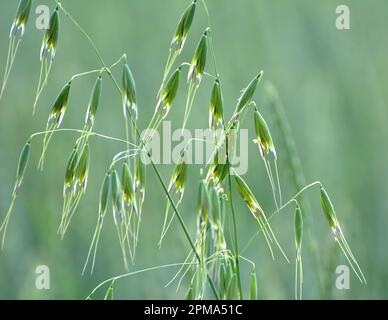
333 87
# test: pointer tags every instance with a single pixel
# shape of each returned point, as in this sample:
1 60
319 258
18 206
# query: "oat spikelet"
258 213
55 119
339 237
298 223
22 166
15 36
47 53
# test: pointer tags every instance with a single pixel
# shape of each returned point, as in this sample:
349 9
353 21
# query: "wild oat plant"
212 267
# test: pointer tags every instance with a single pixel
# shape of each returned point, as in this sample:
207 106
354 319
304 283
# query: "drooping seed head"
298 228
232 138
217 170
216 106
22 165
70 172
169 93
104 194
328 209
82 168
247 94
248 197
116 195
178 178
197 66
263 136
129 92
94 102
253 286
140 177
50 39
183 28
21 18
59 108
127 187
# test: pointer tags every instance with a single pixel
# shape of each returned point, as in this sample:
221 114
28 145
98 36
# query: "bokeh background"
333 87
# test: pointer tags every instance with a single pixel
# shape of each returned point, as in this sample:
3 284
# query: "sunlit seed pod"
197 66
50 39
140 172
178 178
298 228
183 28
21 18
22 165
168 94
129 92
232 139
328 209
263 136
115 186
128 193
82 168
248 197
247 94
104 194
253 286
94 102
216 106
115 194
59 108
220 169
70 172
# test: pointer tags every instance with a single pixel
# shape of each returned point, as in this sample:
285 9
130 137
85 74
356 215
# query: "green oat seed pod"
328 209
94 102
178 178
169 93
253 286
59 108
127 186
104 194
183 28
298 227
263 136
197 66
247 94
216 106
248 196
82 168
140 177
21 18
22 165
50 39
129 92
70 171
